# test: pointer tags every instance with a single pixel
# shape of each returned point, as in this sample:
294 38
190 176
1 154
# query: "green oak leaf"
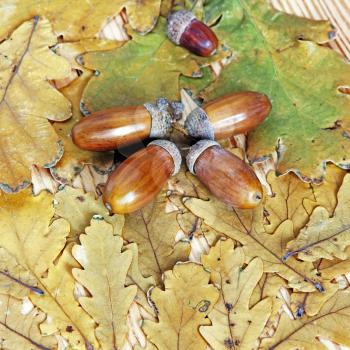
279 55
145 68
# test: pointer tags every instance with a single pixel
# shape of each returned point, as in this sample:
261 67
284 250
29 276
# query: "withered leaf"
324 236
78 19
305 332
234 323
182 307
15 280
103 274
28 233
295 200
155 231
78 208
246 226
27 101
19 326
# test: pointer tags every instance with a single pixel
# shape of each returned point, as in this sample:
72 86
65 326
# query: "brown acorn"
138 180
226 176
121 126
229 115
185 30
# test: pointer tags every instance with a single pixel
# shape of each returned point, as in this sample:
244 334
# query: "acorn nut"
225 175
229 115
185 30
116 127
137 181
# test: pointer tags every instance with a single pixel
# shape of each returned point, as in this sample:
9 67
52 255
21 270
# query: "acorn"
185 30
229 115
225 175
138 180
116 127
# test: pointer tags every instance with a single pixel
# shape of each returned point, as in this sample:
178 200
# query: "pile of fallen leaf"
186 272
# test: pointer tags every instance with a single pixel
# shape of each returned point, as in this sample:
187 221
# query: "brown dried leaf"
182 307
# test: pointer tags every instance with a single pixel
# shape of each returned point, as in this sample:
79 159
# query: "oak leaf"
133 68
182 307
305 332
15 280
29 233
295 200
278 54
324 236
246 226
74 159
103 275
155 231
19 326
27 101
234 323
78 19
78 208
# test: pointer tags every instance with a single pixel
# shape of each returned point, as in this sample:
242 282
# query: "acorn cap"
198 125
177 23
196 150
172 149
161 118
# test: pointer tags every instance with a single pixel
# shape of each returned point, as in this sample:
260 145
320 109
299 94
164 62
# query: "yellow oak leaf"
31 235
155 231
65 314
78 208
27 101
246 226
103 275
182 307
295 200
325 236
234 323
19 326
79 18
329 270
15 280
331 323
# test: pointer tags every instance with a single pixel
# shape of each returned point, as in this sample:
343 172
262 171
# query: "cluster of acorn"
141 177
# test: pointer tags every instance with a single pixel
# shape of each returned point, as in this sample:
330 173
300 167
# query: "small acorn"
225 175
229 115
185 30
121 126
138 180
